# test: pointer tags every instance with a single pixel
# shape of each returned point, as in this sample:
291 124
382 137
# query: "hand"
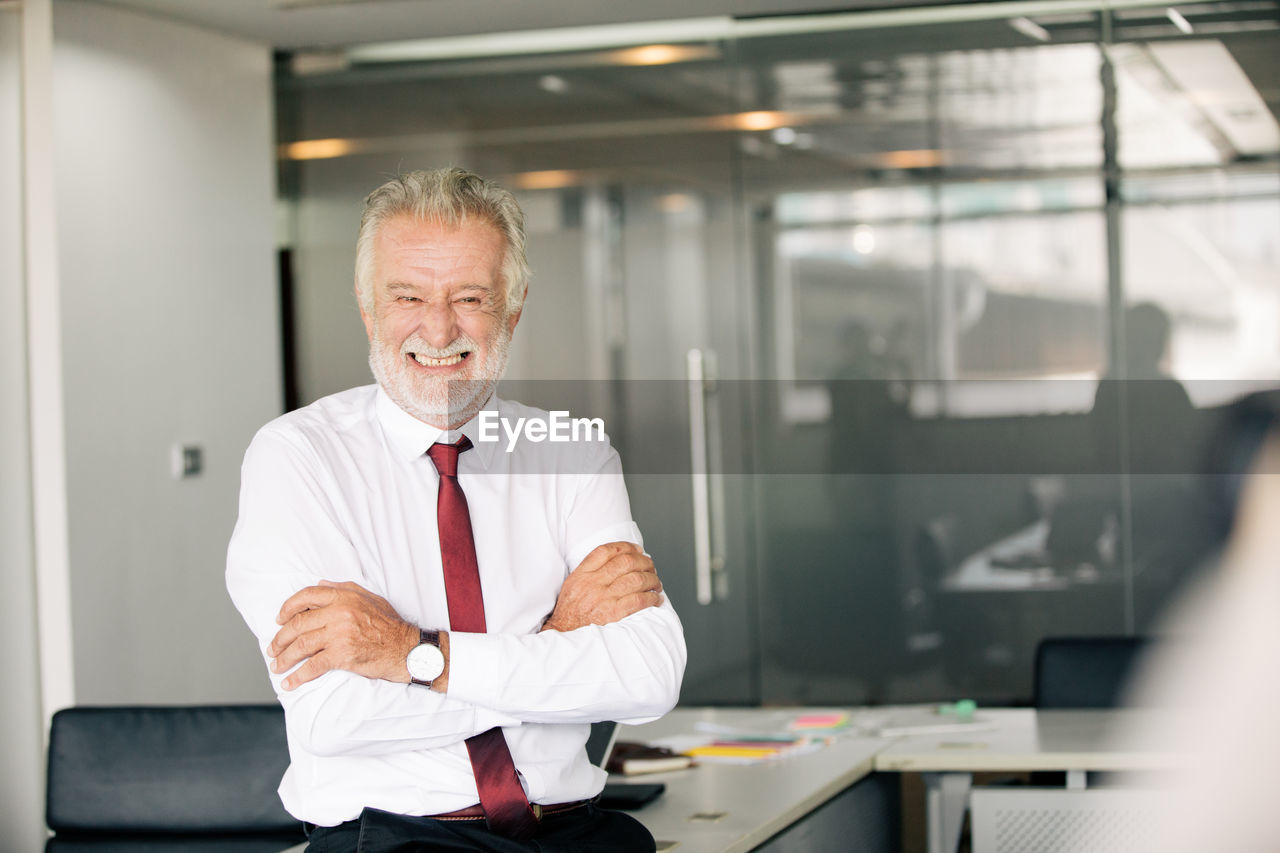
614 581
340 626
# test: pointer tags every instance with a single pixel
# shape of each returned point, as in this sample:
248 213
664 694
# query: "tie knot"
445 456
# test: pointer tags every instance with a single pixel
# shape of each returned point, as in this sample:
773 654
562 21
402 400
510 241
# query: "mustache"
457 346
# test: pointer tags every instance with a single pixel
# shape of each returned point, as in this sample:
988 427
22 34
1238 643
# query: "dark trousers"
583 830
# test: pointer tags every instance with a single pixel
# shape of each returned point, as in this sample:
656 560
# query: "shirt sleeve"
289 535
629 671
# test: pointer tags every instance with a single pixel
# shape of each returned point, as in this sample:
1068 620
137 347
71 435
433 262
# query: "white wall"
332 349
165 185
21 795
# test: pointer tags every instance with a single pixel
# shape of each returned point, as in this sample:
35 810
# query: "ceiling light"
662 54
318 149
920 159
675 203
1178 21
784 135
1029 28
318 62
552 179
759 120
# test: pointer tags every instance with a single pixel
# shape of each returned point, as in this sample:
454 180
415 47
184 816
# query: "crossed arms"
346 627
612 647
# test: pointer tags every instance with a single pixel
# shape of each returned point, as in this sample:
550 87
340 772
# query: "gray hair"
449 196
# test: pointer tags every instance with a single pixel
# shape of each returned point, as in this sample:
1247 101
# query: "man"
408 581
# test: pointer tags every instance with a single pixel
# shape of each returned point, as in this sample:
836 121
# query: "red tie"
506 808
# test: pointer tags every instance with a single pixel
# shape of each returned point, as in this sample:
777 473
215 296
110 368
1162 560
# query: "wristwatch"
425 660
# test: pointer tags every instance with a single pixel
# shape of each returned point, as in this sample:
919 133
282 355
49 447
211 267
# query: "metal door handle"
708 498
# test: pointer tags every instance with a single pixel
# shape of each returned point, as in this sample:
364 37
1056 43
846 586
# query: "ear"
364 315
515 317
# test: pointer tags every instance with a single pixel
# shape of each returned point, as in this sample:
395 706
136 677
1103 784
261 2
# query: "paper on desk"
901 722
748 750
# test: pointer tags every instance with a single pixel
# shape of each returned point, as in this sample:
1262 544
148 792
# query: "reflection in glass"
903 235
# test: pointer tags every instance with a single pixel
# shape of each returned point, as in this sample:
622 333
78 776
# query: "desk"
979 572
995 569
1022 739
758 800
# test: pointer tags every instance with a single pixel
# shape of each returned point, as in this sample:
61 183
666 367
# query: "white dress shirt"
343 490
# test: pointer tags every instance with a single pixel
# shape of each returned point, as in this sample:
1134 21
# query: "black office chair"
1085 672
1081 673
182 779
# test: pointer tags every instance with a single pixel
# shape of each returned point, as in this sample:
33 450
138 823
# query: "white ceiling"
291 24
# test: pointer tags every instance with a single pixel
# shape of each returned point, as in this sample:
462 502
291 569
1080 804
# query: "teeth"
438 362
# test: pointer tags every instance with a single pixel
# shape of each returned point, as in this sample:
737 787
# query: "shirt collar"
410 438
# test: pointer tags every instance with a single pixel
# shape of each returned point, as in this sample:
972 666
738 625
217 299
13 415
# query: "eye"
406 299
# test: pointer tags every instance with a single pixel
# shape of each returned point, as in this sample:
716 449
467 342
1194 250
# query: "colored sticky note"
836 720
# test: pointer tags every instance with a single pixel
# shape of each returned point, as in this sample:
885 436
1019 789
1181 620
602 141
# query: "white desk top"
757 800
1024 739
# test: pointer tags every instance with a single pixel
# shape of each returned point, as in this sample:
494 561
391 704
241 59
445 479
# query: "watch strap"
426 638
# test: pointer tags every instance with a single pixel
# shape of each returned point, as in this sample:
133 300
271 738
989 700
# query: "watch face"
425 662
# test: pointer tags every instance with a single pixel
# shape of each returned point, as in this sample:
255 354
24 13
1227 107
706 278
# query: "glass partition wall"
910 330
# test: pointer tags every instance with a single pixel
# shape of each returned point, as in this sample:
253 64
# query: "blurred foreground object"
1222 680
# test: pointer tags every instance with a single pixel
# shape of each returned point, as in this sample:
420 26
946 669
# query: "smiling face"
438 326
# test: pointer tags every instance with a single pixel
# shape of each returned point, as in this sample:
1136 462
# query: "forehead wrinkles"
467 254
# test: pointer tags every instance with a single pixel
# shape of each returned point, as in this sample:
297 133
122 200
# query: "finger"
304 599
633 582
636 602
286 635
601 554
298 623
304 646
309 671
621 564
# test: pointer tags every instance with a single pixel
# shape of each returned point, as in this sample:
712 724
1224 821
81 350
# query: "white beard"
443 403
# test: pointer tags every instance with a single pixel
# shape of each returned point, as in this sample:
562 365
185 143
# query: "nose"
439 326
